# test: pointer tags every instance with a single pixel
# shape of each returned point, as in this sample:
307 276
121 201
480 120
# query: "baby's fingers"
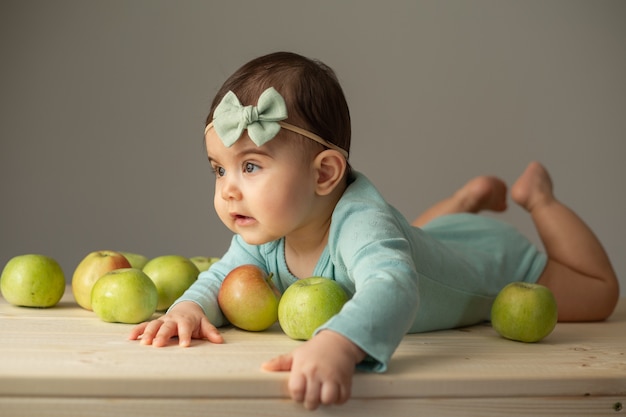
334 394
311 391
210 332
146 331
137 331
280 363
160 332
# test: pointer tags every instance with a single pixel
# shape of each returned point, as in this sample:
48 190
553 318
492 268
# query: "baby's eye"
249 167
219 171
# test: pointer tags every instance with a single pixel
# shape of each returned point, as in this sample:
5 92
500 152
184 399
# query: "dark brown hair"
314 97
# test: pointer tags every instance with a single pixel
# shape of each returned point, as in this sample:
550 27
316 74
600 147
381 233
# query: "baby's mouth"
242 220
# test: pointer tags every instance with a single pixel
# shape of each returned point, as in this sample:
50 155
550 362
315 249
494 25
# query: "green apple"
32 281
307 304
203 263
172 275
136 260
249 299
524 312
124 295
90 269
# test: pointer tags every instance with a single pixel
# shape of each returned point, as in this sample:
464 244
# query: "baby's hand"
185 320
321 369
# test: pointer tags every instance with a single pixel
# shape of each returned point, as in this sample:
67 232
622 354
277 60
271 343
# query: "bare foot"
533 187
482 193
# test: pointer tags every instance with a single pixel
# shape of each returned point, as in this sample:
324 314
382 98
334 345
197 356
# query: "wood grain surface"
65 361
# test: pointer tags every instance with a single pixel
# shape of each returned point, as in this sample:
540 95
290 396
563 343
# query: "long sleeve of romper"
372 256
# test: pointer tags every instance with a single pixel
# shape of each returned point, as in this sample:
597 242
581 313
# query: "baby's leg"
578 272
480 193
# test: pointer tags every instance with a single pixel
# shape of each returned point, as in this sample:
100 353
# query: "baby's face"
264 192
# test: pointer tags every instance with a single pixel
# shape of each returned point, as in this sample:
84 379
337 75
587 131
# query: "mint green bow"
230 118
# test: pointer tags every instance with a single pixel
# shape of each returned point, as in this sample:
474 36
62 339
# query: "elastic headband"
262 121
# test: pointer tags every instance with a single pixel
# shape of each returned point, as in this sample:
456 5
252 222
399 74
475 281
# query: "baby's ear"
330 166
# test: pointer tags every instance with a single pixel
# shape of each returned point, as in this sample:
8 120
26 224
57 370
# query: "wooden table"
65 361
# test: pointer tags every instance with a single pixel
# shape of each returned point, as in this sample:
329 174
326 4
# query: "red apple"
90 269
249 299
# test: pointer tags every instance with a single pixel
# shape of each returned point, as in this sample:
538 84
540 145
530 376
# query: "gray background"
102 108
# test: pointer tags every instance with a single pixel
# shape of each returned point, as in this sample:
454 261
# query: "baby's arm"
185 320
321 369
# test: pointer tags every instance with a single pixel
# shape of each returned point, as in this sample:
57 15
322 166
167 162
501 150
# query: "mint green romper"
401 279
